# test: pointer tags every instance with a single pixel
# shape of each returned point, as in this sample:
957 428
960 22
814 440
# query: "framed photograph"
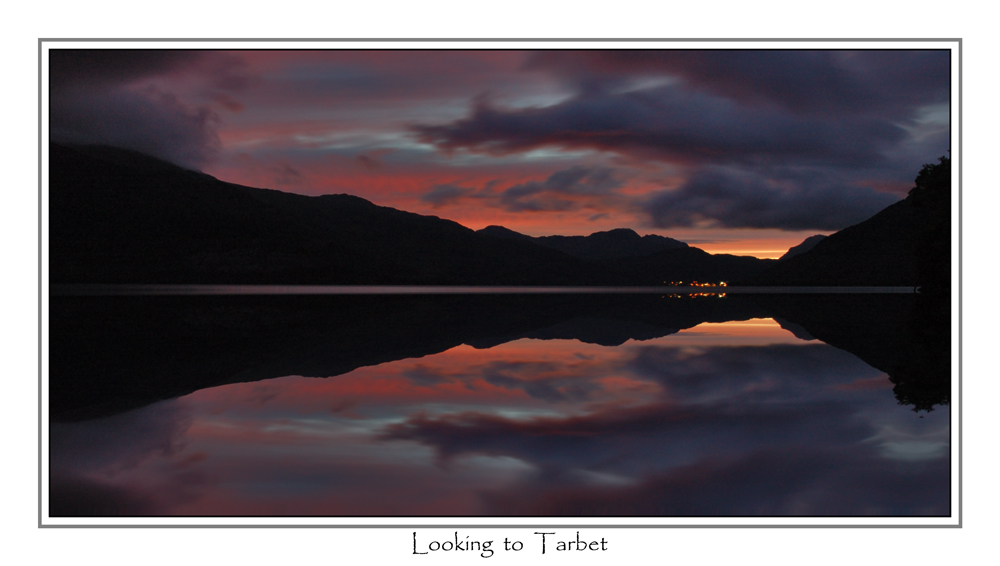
575 284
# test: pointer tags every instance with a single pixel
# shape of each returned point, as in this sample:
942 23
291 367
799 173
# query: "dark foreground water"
485 405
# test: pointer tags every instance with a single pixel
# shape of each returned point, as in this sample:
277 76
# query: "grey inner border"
41 136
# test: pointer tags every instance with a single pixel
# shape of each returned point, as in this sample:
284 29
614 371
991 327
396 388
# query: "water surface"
691 407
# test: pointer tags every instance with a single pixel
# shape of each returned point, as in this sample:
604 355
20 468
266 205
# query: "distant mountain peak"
617 243
501 232
806 245
617 233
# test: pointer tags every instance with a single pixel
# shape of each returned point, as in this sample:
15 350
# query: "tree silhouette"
923 378
931 198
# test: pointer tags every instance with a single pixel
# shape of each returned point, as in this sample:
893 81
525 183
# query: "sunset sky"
737 151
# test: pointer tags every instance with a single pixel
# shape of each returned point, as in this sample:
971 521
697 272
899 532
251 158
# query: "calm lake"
499 405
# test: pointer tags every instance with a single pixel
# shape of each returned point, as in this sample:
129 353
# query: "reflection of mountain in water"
113 353
110 354
906 336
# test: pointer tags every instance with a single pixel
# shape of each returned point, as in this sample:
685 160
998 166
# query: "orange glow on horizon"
760 254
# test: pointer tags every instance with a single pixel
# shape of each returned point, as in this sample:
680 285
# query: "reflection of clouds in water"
915 450
579 374
547 381
781 425
101 467
647 428
563 371
118 443
315 482
633 440
422 375
301 468
898 436
776 372
781 481
691 373
602 478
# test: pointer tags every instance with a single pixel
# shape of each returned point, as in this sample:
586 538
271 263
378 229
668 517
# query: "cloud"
854 118
735 198
161 102
545 195
787 198
803 81
108 67
788 139
390 80
567 189
441 195
146 120
670 124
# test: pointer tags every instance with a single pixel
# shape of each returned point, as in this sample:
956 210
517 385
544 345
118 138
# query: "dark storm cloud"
858 119
116 97
148 121
388 78
672 124
870 81
735 198
114 66
545 195
562 190
577 180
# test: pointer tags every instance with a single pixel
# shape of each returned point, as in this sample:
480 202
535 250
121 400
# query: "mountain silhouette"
612 244
122 217
117 216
